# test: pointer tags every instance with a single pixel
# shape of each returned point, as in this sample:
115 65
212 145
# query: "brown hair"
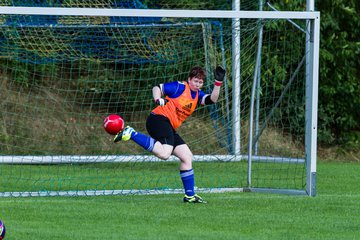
197 72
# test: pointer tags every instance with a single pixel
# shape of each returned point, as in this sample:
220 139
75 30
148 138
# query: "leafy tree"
339 91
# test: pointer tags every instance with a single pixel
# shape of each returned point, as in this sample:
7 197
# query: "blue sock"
188 180
143 140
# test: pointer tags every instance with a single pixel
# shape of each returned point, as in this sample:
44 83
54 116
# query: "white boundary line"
81 193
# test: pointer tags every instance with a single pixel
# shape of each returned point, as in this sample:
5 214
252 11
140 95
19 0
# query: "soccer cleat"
194 199
124 135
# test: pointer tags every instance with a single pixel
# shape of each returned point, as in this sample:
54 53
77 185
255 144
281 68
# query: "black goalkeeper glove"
219 74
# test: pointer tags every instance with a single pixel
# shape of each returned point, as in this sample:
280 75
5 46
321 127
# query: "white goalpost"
64 69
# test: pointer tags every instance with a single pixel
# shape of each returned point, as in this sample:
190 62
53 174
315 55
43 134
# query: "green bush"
339 87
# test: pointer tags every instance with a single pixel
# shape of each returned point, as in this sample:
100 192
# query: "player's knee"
164 155
190 157
186 165
187 157
186 160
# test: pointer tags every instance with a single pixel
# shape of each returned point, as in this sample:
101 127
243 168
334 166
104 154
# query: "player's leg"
161 139
185 155
162 151
186 172
143 140
159 128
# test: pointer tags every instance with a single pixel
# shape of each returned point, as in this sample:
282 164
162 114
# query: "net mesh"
62 75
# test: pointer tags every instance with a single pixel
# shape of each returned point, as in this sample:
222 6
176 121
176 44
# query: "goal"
64 69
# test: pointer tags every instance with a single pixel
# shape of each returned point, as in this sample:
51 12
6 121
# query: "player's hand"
161 101
219 74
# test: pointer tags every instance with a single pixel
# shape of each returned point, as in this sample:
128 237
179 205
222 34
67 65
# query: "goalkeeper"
176 101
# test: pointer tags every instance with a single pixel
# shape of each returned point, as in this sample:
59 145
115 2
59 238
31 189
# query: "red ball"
113 124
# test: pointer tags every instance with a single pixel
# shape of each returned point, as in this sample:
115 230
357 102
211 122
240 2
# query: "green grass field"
332 214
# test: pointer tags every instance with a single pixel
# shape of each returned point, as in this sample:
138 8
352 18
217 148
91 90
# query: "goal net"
61 74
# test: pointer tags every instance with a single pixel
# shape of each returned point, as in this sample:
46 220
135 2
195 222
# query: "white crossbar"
158 13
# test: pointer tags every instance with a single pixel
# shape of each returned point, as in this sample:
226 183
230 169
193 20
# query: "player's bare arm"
157 95
219 74
156 92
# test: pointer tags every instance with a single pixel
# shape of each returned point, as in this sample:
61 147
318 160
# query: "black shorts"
159 128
